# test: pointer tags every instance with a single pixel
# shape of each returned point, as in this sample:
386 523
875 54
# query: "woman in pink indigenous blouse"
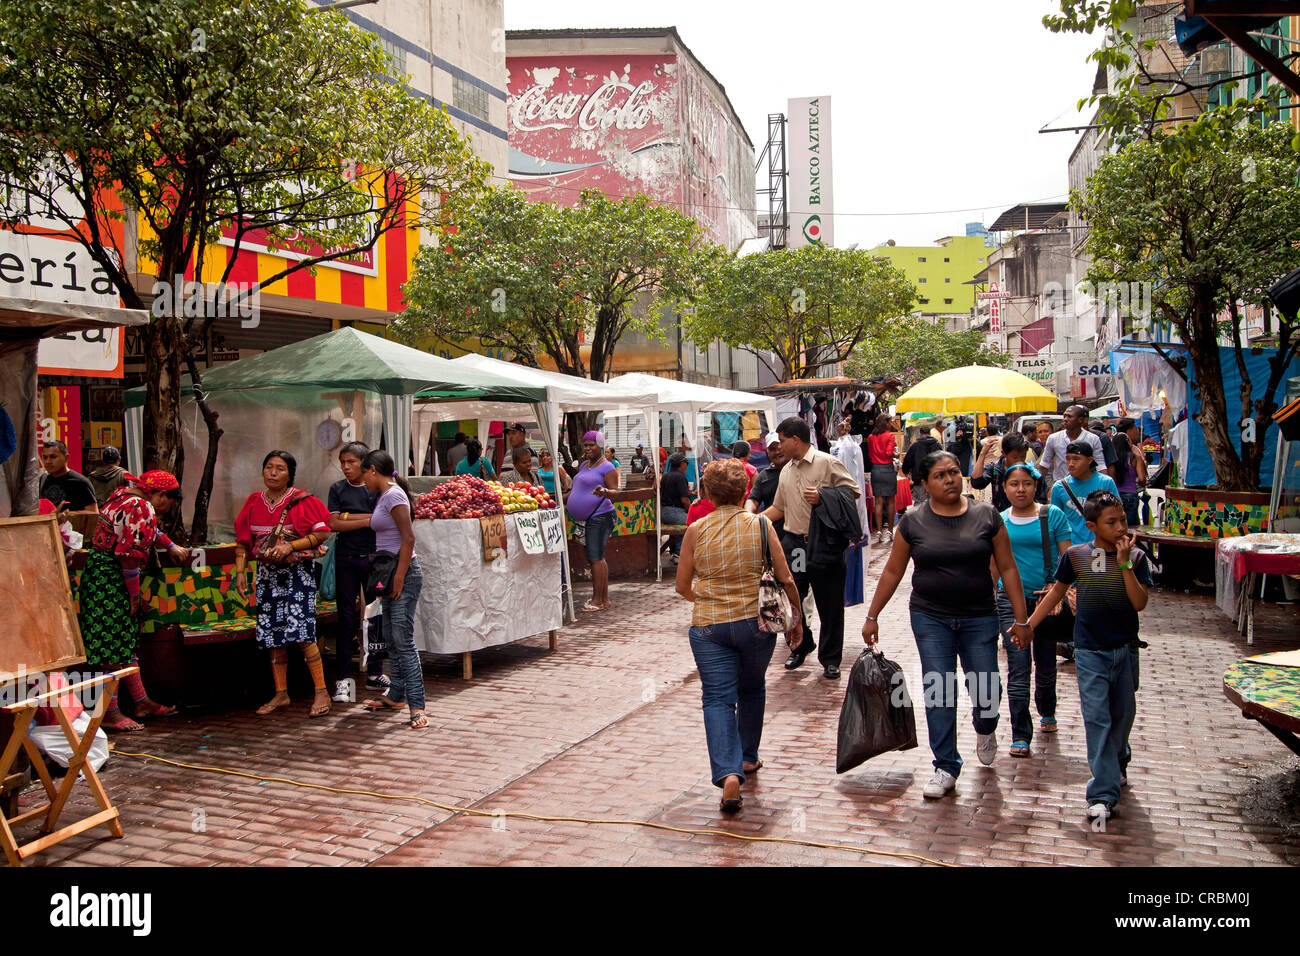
108 593
285 592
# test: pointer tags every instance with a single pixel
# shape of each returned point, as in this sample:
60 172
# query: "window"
922 279
920 258
924 301
468 97
945 258
396 59
947 301
947 279
980 261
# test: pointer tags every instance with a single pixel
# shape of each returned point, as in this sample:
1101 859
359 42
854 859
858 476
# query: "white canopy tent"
564 394
688 399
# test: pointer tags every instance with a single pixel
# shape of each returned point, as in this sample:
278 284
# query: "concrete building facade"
632 111
942 274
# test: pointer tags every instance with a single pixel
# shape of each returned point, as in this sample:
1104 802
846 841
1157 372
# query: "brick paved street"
610 727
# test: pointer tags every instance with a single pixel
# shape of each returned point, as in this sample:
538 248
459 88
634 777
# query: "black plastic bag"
877 715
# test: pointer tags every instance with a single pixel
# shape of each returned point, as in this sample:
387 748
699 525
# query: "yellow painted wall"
940 272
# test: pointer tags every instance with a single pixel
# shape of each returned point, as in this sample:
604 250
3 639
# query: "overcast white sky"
936 104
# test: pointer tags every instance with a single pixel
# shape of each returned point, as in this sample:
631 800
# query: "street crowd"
1048 563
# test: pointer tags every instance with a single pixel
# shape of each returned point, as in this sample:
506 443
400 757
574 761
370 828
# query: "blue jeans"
1131 503
1039 657
1108 683
399 635
940 641
732 659
671 515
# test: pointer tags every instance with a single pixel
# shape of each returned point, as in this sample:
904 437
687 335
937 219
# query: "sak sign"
809 159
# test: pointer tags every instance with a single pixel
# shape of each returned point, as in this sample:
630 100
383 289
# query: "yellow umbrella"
977 388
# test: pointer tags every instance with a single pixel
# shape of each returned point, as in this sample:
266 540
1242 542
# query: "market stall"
311 397
689 400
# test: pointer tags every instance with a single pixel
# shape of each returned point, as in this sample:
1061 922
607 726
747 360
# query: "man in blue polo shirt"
1082 479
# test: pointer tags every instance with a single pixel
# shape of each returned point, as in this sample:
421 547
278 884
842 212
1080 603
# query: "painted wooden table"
1269 694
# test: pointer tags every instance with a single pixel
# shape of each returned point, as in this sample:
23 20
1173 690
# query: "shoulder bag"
773 604
262 552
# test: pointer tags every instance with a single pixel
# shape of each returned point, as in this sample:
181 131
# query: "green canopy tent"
347 359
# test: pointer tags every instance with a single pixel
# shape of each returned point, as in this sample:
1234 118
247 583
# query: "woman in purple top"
1130 468
589 505
391 523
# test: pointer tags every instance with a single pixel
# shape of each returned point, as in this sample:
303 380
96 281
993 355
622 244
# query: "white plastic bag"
52 742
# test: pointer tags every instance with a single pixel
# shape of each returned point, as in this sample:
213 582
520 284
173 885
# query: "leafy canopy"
913 349
540 279
810 306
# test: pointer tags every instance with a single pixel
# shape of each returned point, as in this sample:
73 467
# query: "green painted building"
940 272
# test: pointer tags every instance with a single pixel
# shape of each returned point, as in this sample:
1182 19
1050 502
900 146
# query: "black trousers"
827 585
350 573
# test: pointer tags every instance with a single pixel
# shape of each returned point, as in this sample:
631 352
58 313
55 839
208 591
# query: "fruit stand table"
467 603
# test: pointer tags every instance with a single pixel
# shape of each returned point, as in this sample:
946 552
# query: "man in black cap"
640 460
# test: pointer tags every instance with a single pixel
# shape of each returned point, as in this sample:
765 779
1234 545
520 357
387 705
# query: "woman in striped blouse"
719 570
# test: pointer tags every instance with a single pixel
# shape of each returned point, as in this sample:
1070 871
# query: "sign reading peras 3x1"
809 157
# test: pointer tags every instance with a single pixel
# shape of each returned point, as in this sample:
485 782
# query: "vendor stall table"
1268 694
1239 563
467 604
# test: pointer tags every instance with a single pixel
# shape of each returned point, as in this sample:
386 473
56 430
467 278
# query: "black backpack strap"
1044 511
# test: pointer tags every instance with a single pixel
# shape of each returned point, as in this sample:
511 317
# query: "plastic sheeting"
259 420
466 603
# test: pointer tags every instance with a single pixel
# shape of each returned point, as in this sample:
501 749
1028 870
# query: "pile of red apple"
463 497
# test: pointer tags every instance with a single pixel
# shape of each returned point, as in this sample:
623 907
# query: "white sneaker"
986 748
941 784
345 691
1100 811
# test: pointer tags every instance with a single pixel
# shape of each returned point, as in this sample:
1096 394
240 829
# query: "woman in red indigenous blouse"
109 591
285 587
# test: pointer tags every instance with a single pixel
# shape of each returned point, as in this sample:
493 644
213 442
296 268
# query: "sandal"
588 606
731 806
268 708
161 710
1047 725
419 720
319 710
1019 748
125 725
379 703
758 766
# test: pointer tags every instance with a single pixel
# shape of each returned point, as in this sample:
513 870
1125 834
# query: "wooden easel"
23 712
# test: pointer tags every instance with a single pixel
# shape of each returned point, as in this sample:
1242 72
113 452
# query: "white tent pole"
652 424
551 428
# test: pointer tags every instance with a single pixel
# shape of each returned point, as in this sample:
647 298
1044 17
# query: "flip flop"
268 708
731 806
754 769
588 606
163 710
317 712
376 704
1047 725
126 725
419 720
1019 748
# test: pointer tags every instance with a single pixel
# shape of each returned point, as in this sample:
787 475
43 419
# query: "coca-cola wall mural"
625 125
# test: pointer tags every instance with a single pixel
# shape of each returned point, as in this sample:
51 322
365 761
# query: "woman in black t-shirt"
950 540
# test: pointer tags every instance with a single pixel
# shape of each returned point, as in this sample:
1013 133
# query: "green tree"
1139 94
809 306
207 115
1204 216
563 282
912 349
